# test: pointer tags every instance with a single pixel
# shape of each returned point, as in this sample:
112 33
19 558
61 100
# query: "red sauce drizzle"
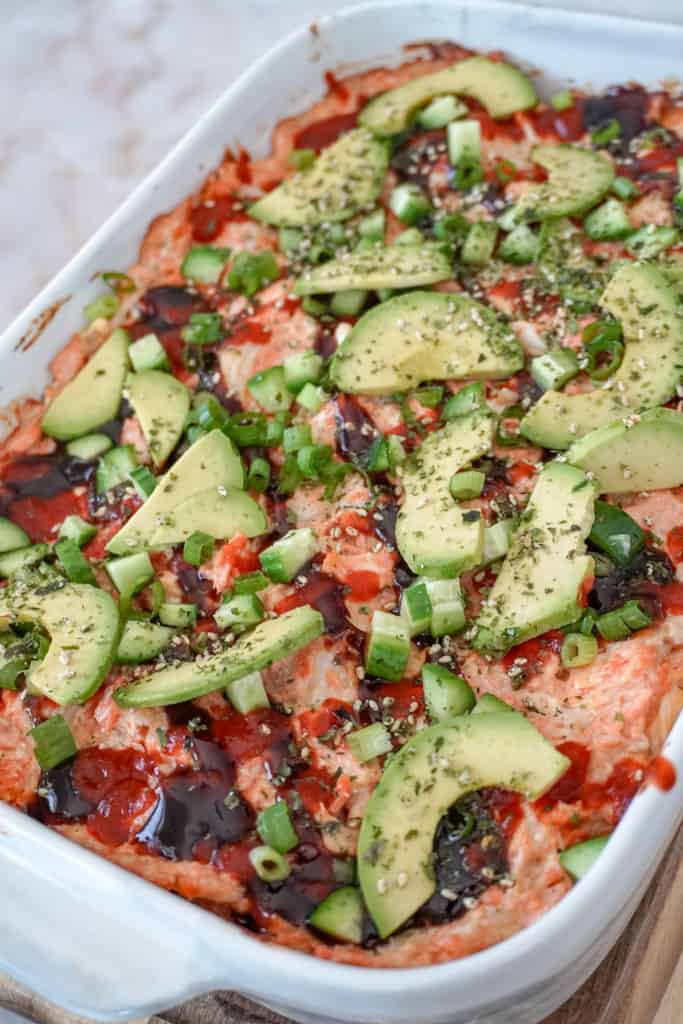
615 792
535 651
565 125
41 517
324 133
661 773
245 736
336 87
250 331
674 544
671 597
506 808
209 218
115 782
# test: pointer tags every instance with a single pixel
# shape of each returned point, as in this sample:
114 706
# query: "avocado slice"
578 178
647 306
538 587
212 461
421 781
345 178
161 403
637 453
217 511
424 336
395 266
82 622
436 537
94 395
501 88
268 642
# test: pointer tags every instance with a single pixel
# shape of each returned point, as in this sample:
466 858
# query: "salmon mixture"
340 560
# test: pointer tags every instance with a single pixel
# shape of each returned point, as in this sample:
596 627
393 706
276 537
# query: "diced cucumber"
578 859
76 529
177 615
12 536
608 222
144 482
142 641
441 112
497 540
53 742
248 693
348 303
115 467
388 647
204 263
90 447
270 641
287 556
446 695
370 742
467 484
94 395
269 388
239 612
312 397
147 353
479 244
302 368
464 152
554 369
465 401
76 566
410 203
22 558
448 606
131 573
520 246
340 915
276 828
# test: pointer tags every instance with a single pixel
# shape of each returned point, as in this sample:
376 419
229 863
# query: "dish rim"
550 932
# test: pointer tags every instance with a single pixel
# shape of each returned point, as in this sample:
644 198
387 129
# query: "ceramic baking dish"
103 943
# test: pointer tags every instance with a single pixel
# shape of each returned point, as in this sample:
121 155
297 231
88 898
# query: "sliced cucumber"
608 222
477 249
269 388
94 395
204 263
218 512
346 177
115 468
269 642
283 559
405 266
212 461
12 536
161 404
388 646
142 641
441 112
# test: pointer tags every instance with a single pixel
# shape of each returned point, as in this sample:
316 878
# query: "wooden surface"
638 983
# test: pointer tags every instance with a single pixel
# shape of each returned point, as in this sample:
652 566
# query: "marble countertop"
96 94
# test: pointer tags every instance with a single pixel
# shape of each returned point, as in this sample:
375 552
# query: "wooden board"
626 989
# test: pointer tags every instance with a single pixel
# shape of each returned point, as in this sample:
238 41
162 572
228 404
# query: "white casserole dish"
103 943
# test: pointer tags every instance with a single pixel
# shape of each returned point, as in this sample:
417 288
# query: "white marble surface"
95 93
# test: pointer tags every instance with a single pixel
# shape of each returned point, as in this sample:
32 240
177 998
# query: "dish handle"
92 938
